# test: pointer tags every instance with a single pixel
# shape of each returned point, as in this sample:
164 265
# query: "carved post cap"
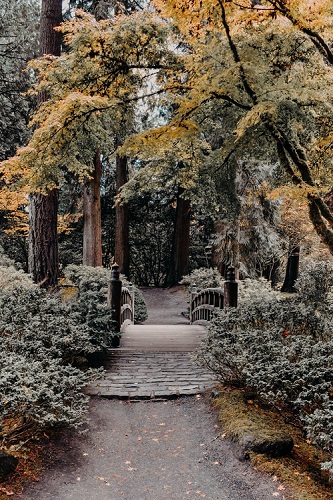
231 274
115 272
194 288
130 287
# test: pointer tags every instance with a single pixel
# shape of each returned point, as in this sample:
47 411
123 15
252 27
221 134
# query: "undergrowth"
282 350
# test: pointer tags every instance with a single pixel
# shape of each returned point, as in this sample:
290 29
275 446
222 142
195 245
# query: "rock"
271 442
8 464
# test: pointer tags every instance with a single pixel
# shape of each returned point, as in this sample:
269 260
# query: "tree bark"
122 250
92 226
43 238
181 240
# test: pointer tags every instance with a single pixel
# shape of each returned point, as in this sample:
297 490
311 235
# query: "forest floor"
173 449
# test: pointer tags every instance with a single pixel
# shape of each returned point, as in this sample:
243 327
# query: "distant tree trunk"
92 226
179 265
43 238
291 271
122 251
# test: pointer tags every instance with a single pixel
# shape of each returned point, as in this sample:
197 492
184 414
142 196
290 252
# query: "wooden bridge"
155 360
203 304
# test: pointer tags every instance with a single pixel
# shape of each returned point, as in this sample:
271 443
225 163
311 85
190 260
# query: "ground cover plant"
43 348
91 302
282 351
46 342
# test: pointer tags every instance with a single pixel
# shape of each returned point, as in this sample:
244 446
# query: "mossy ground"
300 472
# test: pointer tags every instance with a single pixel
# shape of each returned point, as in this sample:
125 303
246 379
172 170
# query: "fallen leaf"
275 478
9 493
281 487
155 440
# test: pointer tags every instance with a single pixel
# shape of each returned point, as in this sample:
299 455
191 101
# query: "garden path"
153 449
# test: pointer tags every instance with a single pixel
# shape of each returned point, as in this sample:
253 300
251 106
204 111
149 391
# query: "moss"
300 472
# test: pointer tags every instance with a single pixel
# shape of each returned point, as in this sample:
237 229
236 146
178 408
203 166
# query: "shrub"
40 340
91 302
282 350
40 394
90 306
203 278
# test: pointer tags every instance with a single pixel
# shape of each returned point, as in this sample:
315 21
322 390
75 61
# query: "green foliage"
43 393
150 249
42 343
19 32
203 278
282 350
91 306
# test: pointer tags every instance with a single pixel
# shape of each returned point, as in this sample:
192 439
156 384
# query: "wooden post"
194 293
115 303
230 289
131 291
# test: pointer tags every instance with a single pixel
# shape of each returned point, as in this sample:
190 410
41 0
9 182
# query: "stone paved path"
154 362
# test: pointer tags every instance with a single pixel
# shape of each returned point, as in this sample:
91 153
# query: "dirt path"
148 451
165 305
153 450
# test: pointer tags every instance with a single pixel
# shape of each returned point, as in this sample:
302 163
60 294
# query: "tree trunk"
92 227
122 252
291 271
181 240
43 238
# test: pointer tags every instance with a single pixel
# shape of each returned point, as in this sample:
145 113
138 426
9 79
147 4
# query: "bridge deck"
154 361
162 338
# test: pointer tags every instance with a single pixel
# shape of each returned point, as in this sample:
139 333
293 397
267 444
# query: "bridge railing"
121 302
205 303
127 306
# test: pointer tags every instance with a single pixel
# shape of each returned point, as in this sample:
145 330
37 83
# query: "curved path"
151 449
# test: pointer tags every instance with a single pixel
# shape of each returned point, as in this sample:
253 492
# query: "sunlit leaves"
91 93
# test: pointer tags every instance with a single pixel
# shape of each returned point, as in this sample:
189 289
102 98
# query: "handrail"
205 303
121 301
127 306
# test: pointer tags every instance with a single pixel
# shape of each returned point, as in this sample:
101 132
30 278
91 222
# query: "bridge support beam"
230 289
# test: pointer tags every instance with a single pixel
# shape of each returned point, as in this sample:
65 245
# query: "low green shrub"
42 345
203 278
91 301
282 350
40 394
89 305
